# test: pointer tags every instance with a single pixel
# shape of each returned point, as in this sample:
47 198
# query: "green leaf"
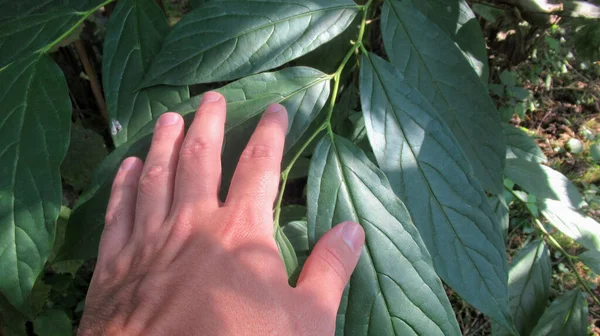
86 151
34 136
500 208
31 26
53 322
529 287
303 91
459 22
520 145
394 289
12 322
569 221
591 259
542 181
224 40
13 9
567 315
430 173
413 44
297 234
286 250
292 213
133 38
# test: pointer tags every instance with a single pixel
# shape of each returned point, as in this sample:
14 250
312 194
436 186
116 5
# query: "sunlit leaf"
430 173
582 229
394 289
520 145
430 61
542 181
457 19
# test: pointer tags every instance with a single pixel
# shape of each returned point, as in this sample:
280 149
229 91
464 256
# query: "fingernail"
129 163
211 97
274 108
352 236
168 119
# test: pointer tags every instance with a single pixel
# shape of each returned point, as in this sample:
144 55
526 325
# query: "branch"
93 77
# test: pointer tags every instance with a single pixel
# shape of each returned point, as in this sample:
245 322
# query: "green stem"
326 125
68 32
557 245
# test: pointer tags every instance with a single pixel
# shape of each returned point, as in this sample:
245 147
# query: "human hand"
173 260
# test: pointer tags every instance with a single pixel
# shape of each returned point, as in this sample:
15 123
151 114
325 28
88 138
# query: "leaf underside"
430 173
567 315
430 61
225 40
394 289
529 287
34 136
457 19
520 145
542 181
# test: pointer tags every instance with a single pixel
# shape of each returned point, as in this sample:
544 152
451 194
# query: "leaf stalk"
326 125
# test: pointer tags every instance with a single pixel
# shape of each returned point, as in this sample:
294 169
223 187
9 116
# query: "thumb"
328 268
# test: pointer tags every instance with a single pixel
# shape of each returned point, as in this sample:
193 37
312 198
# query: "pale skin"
174 260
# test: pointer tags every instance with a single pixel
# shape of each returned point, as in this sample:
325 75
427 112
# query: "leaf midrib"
431 191
355 213
438 89
15 166
246 32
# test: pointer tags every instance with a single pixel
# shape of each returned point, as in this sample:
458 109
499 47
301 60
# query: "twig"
93 77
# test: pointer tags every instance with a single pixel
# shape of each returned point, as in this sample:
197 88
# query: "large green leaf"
133 37
542 181
10 9
394 289
29 26
431 62
457 19
500 208
592 260
529 287
520 145
582 229
224 40
34 136
430 173
303 91
567 315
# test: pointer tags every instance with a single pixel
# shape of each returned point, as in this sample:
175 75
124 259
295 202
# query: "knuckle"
334 260
258 151
198 147
152 177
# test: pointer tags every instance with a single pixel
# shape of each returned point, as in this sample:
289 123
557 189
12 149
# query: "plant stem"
569 259
557 245
93 76
326 125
